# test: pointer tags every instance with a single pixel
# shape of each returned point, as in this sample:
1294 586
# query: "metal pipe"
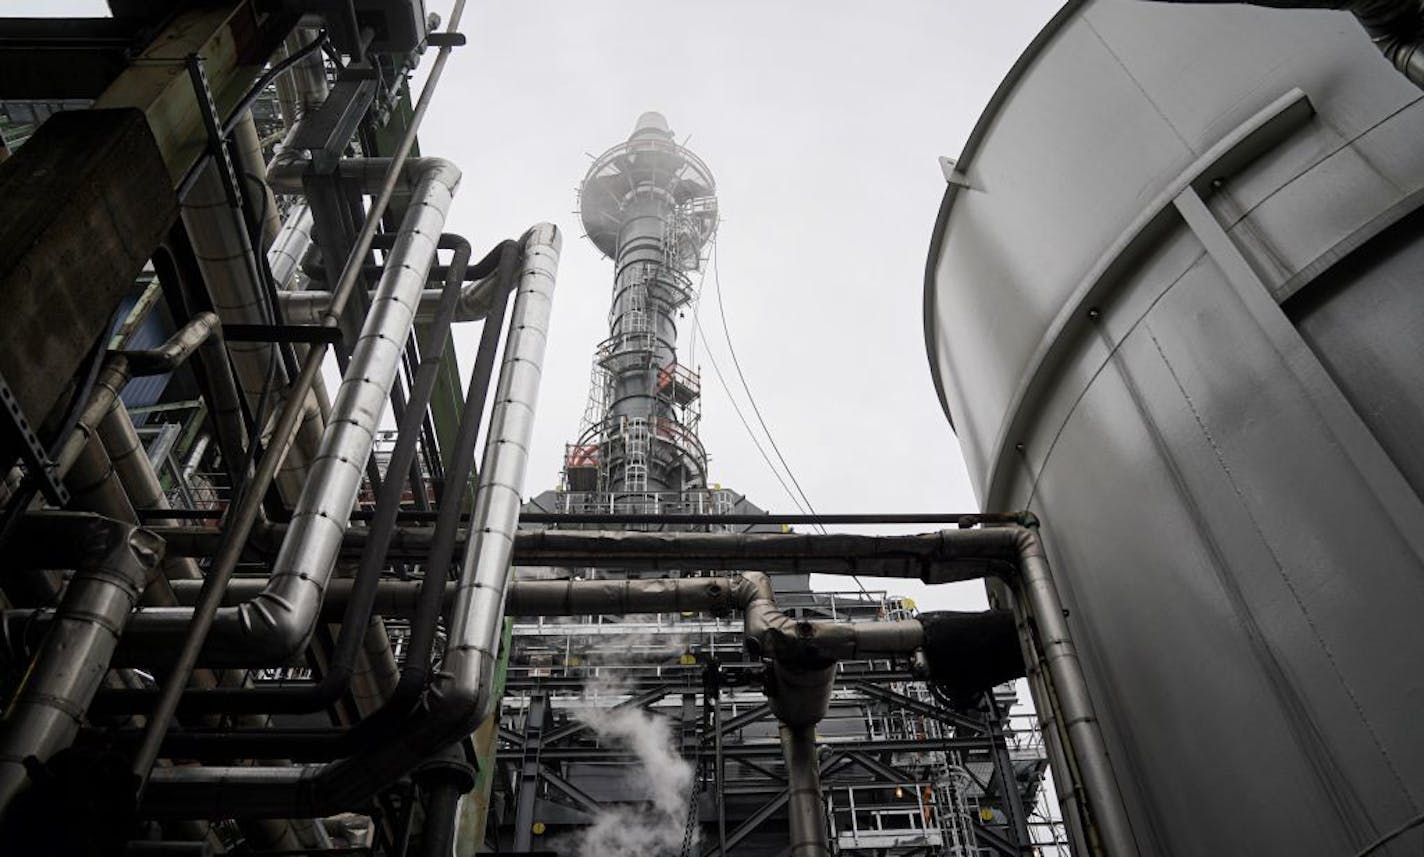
285 260
414 674
247 511
442 780
805 811
475 302
805 652
355 611
459 696
176 350
961 519
113 562
934 557
1071 703
274 627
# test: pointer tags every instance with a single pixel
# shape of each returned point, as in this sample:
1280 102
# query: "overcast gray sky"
822 123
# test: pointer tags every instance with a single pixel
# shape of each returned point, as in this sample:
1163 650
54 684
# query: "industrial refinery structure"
903 772
243 611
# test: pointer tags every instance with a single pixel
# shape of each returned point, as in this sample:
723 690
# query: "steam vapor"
646 830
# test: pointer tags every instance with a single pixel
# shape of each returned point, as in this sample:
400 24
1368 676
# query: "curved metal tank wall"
1175 305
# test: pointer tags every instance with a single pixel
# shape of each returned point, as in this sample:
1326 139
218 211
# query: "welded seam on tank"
1307 736
1112 351
1108 273
1146 96
1345 143
1310 622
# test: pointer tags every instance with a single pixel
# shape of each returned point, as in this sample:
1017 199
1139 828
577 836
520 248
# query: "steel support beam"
752 750
233 41
532 747
944 715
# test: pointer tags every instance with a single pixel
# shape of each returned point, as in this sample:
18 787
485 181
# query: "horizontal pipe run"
475 301
527 598
939 557
805 651
962 520
316 744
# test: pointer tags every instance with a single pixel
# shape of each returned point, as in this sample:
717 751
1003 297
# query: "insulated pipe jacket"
459 698
274 627
113 561
221 245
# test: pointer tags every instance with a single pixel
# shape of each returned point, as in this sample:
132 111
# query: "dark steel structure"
243 613
1170 306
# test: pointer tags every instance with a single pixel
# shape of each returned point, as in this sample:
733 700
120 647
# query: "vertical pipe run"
459 697
1068 688
806 813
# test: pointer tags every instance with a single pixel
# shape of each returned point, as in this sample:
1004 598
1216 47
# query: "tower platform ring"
645 163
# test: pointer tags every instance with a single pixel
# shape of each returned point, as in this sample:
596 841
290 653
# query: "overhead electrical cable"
746 425
746 388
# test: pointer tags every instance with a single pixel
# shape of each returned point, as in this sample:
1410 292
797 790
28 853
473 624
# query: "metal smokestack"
650 206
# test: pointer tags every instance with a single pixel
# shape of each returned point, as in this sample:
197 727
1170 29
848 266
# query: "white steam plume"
653 827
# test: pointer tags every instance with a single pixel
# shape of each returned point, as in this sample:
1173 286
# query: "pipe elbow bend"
270 631
438 170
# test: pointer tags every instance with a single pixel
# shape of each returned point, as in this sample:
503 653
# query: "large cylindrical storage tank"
1175 306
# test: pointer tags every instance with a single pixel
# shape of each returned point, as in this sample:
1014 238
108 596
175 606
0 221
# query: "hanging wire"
746 388
726 388
746 425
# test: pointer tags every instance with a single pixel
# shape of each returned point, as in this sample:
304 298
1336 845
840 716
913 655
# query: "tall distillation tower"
650 206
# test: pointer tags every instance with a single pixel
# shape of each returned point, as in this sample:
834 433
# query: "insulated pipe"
141 485
1069 690
225 257
460 484
806 651
476 299
805 811
274 627
459 697
442 781
177 349
285 260
249 507
113 562
939 557
355 613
